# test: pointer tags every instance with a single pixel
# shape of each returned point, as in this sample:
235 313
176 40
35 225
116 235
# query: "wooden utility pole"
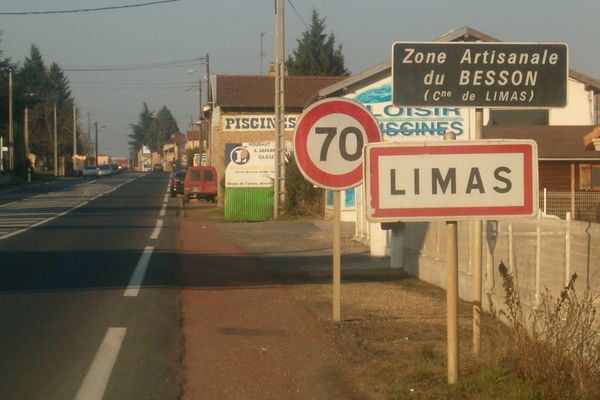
279 183
55 155
11 137
26 132
74 131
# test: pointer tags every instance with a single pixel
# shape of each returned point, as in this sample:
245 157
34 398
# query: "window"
208 175
589 177
595 177
519 117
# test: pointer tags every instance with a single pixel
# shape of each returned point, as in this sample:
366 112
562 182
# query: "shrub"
302 198
557 345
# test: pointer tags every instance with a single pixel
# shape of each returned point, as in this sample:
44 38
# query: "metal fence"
543 252
583 206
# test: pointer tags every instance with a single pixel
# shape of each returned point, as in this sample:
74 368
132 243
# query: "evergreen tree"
316 53
141 129
5 64
161 129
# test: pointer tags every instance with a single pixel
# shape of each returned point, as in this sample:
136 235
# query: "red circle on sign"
319 175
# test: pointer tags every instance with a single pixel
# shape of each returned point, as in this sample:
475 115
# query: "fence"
583 206
543 252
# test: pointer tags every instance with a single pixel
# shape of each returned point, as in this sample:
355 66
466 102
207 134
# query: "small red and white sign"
329 140
451 180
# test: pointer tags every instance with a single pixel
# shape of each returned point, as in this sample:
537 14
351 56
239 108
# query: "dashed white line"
94 384
133 288
163 210
157 229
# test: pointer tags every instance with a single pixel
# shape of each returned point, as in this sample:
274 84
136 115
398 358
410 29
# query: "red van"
201 183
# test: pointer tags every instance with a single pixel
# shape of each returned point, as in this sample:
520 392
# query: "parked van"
200 182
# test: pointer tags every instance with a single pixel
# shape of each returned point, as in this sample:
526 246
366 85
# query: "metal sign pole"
337 276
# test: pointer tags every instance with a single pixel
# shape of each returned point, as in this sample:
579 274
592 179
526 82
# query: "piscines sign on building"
255 122
398 123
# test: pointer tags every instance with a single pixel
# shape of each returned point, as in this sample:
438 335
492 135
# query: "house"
242 136
173 150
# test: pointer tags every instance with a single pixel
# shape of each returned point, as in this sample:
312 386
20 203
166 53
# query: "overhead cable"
80 10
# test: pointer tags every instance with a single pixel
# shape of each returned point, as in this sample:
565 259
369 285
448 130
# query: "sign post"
470 180
476 74
328 145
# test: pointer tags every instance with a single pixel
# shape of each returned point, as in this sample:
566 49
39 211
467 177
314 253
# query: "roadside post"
328 143
478 75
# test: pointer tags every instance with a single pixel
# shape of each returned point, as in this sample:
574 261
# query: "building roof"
464 34
558 142
258 91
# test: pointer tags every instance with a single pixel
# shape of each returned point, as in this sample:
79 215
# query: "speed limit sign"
329 140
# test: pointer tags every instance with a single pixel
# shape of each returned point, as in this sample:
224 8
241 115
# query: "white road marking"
94 384
157 229
46 220
133 288
8 204
163 210
166 199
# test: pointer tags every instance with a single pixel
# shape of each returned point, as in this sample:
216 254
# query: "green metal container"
248 204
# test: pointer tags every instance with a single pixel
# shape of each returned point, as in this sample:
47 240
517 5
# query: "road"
89 299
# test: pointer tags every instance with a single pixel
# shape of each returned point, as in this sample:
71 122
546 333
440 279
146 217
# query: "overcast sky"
230 32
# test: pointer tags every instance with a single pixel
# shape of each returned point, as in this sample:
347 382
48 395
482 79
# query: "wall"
580 107
559 249
220 136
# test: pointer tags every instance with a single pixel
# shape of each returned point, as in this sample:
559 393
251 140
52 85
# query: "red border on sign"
399 213
332 106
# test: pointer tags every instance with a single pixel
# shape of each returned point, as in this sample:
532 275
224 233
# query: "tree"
141 129
161 129
5 64
316 53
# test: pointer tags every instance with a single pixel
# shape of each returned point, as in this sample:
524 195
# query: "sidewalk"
257 304
246 336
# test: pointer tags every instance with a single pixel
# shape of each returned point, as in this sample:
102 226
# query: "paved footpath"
246 337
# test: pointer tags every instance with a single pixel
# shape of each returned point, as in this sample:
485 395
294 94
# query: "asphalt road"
89 300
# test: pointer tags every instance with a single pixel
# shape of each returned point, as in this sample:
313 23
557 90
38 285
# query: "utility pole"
26 132
96 141
199 99
279 183
11 138
261 54
208 91
55 144
89 117
74 131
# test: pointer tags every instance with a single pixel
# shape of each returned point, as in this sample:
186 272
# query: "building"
373 87
173 152
242 136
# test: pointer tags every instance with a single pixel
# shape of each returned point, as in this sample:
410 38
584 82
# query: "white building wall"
579 109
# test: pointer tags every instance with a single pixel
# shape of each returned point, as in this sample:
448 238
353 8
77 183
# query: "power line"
298 14
133 67
87 9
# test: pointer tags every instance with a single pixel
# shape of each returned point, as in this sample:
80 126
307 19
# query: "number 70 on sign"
329 140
